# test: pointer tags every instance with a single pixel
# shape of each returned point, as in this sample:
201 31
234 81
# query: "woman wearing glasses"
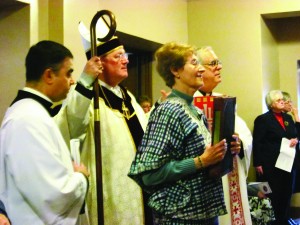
172 160
269 130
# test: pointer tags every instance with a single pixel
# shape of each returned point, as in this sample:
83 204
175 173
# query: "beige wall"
288 36
14 42
158 21
22 25
254 61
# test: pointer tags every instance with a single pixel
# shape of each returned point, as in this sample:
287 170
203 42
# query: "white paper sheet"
286 156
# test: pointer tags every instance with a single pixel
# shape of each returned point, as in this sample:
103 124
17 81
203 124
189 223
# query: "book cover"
220 114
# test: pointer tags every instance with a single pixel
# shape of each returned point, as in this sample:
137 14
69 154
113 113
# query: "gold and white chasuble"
123 201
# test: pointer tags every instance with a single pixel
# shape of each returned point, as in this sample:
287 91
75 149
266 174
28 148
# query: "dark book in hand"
220 113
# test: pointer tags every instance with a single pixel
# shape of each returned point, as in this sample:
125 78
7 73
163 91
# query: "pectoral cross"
126 112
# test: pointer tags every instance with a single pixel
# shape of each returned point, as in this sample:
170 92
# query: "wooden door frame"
143 51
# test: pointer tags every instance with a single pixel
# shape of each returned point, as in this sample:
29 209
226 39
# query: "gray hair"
286 96
202 52
272 97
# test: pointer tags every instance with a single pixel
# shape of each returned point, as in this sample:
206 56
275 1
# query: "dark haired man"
39 184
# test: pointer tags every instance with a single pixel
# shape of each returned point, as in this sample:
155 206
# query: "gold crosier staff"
111 31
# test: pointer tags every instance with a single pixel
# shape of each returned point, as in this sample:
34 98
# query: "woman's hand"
261 194
293 142
294 112
235 145
211 155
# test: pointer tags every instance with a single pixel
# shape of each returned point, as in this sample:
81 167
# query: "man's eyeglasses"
214 63
121 56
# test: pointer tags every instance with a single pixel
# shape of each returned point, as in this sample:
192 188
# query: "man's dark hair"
43 55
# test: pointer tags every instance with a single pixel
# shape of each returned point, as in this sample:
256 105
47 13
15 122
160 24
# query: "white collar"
116 90
33 91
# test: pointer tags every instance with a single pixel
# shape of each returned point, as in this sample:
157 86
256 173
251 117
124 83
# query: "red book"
220 114
206 104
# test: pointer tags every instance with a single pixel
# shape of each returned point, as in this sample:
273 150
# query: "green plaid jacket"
176 131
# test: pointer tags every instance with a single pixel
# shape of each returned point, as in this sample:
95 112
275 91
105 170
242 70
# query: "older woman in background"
269 130
289 107
172 160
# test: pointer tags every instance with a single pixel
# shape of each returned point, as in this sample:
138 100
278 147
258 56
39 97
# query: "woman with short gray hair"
269 130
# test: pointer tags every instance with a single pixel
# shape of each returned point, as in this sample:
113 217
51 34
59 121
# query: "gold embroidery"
126 111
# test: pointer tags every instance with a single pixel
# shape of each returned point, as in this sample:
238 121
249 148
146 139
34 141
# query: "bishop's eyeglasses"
121 56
